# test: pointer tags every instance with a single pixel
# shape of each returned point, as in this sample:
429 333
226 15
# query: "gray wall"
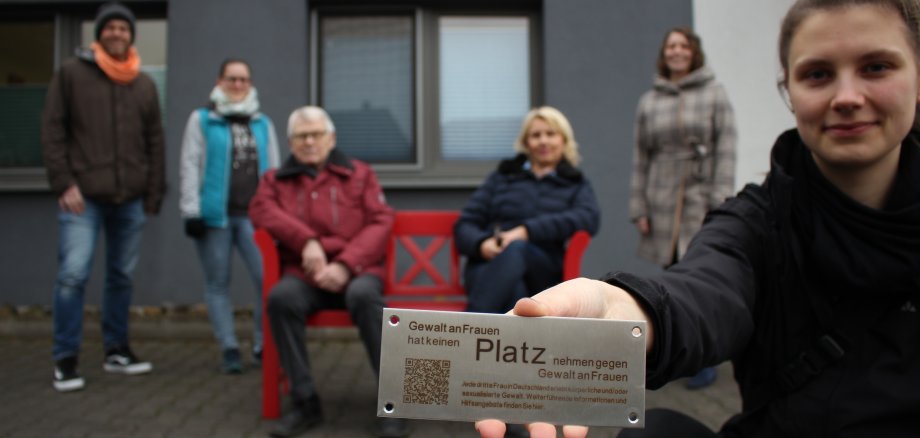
272 37
598 59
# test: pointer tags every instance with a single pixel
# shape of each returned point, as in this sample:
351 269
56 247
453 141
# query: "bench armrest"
573 254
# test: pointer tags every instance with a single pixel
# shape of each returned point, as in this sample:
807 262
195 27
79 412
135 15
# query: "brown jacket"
104 137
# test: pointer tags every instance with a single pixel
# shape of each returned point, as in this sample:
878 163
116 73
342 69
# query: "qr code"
427 381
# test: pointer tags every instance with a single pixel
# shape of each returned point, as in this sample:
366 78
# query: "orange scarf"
120 72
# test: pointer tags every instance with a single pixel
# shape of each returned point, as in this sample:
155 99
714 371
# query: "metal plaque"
472 366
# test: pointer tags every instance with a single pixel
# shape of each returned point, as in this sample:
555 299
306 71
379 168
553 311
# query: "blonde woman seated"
514 228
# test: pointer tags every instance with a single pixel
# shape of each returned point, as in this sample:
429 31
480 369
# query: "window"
429 97
484 85
26 66
33 43
367 85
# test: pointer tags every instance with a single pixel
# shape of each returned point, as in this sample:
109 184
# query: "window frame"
430 170
66 32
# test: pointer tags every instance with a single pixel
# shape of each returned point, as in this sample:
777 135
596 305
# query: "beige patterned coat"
684 131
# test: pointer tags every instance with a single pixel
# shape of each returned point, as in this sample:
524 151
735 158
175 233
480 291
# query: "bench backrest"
434 230
413 229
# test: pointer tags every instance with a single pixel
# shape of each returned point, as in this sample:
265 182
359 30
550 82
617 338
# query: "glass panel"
150 42
26 66
484 85
366 85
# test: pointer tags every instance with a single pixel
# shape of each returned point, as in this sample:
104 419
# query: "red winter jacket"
341 205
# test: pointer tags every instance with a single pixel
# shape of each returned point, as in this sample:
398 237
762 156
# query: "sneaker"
65 375
300 418
232 364
702 379
122 360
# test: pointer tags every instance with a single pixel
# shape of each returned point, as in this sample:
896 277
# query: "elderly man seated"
328 214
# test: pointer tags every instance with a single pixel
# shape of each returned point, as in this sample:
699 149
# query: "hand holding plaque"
578 298
585 298
469 366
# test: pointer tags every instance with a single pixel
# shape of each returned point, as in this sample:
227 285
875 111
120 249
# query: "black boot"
301 417
392 427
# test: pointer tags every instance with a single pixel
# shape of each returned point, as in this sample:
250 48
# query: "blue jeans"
519 271
215 251
122 224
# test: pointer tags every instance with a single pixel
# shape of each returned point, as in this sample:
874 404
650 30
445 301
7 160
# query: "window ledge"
23 180
417 182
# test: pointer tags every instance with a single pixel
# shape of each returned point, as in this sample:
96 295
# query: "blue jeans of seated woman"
215 251
520 271
122 225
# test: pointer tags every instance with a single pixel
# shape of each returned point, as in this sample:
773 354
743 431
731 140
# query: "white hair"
307 114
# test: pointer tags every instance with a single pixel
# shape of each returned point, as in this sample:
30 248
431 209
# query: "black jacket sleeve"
702 308
475 222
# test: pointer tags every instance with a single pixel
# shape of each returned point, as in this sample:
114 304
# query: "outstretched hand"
584 298
578 298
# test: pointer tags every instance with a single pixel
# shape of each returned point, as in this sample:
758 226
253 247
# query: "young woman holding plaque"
809 282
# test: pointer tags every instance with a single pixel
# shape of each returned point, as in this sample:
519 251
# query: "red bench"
402 287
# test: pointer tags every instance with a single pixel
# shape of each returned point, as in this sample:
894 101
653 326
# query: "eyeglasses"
232 79
304 136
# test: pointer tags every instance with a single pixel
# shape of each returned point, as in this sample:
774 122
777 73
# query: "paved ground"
186 396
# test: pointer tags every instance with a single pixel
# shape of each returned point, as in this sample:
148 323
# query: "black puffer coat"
755 288
552 208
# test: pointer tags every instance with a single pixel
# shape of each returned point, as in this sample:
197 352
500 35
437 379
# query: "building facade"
430 91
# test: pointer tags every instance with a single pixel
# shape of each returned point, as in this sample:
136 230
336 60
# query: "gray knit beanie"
113 10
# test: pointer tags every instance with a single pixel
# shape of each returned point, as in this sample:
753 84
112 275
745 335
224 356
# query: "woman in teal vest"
226 147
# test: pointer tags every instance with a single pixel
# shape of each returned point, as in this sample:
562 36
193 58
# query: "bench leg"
271 376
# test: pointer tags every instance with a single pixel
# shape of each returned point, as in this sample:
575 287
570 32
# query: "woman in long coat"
684 161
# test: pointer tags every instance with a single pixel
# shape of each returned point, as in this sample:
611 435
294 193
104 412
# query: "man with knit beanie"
103 149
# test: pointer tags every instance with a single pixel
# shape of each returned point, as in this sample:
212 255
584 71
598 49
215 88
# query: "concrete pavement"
187 396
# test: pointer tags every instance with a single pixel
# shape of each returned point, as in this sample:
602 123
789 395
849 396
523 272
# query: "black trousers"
666 423
290 303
